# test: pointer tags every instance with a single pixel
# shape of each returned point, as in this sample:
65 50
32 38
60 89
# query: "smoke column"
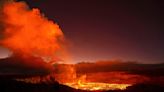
28 32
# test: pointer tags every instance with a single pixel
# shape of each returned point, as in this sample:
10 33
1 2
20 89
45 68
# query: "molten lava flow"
28 32
82 84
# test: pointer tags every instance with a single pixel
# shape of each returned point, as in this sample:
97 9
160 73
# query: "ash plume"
30 35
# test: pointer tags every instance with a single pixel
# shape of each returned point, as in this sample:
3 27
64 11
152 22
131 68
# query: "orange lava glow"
72 79
93 86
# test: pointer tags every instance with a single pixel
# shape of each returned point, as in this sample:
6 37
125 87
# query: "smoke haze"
34 40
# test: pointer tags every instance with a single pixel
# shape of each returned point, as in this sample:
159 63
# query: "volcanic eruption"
36 43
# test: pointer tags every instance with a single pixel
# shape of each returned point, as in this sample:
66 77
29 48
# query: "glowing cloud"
28 32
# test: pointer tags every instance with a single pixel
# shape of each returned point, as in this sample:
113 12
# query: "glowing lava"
93 86
82 84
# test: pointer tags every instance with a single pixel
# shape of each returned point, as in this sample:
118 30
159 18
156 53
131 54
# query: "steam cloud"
27 33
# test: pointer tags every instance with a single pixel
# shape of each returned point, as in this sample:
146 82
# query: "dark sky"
109 29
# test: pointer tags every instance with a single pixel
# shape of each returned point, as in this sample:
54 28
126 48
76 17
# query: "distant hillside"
129 67
30 65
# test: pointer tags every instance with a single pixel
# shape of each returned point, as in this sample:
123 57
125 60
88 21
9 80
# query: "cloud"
34 40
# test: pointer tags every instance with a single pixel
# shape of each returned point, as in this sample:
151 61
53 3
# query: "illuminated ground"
98 86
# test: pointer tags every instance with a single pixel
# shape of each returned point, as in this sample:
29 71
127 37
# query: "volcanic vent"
70 77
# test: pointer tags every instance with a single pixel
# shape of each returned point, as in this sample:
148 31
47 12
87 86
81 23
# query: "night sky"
108 29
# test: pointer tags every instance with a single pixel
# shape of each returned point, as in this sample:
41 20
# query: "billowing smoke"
27 33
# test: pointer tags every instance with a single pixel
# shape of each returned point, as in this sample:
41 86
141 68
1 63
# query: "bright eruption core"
28 32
